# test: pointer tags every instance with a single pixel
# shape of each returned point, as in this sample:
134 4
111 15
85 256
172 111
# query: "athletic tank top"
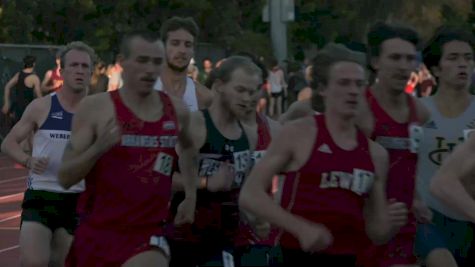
401 141
189 97
49 141
55 76
440 136
130 185
23 95
331 189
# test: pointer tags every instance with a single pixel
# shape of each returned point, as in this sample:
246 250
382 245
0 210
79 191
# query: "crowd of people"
163 165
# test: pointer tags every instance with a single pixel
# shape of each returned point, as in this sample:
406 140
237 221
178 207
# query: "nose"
463 63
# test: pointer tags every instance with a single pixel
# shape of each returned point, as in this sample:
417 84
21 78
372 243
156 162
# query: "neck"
221 113
28 70
342 129
70 99
173 82
340 124
250 119
386 96
452 100
135 99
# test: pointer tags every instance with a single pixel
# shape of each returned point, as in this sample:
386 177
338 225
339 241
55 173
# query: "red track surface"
12 186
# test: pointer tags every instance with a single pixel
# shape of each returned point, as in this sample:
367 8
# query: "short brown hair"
327 57
176 23
229 65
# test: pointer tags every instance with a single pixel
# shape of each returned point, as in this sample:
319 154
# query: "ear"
374 61
436 71
321 90
217 86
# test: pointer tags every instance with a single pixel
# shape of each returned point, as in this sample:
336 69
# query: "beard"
176 68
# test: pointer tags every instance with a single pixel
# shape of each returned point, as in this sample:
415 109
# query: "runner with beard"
179 36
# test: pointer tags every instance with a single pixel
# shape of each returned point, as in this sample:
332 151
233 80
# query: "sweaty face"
239 94
179 49
143 65
77 71
456 65
395 63
345 88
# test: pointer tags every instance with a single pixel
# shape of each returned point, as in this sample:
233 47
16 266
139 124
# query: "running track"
12 185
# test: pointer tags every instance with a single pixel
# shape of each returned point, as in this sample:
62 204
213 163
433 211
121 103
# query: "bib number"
415 137
164 164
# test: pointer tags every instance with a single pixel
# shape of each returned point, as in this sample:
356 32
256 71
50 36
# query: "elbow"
380 234
64 179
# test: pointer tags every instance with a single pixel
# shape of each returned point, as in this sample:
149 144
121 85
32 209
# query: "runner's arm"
254 197
188 159
37 86
85 145
21 131
45 88
8 88
375 210
447 183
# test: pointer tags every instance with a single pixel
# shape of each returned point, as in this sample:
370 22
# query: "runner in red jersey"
127 155
338 175
391 118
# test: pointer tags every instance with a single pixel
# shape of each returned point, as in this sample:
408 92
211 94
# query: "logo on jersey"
444 148
169 125
168 141
325 149
64 136
130 140
57 115
359 182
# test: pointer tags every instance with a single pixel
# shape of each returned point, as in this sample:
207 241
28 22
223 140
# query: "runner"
179 36
26 87
126 154
391 118
312 223
446 234
224 161
49 218
53 79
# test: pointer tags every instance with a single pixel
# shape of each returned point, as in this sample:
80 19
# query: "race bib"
416 133
362 181
241 161
164 164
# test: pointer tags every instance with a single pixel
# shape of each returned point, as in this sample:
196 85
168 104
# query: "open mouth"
462 75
